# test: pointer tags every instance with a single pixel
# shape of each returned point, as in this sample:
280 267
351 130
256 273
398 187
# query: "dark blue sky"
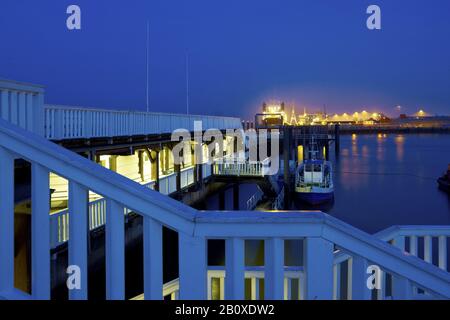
242 52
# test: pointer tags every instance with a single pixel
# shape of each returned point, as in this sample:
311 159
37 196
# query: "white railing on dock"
244 168
430 241
22 104
254 199
59 221
64 122
415 239
293 284
97 209
320 234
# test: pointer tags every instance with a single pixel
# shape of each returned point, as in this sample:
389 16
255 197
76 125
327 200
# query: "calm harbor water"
388 179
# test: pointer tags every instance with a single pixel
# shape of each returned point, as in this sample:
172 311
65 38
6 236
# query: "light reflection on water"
390 179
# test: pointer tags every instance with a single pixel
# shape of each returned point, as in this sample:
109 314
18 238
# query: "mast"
147 66
187 82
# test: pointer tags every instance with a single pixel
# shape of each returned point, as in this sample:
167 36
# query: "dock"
96 169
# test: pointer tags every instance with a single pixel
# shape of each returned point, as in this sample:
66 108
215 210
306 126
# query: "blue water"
384 180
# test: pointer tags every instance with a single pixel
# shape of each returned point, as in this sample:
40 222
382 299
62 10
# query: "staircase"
327 241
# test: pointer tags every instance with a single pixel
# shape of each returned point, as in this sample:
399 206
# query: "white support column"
357 279
413 245
401 287
40 232
13 116
6 220
115 250
78 228
428 249
254 288
235 269
39 114
192 267
381 293
287 288
29 112
274 269
22 110
4 104
153 257
318 261
337 281
221 288
442 252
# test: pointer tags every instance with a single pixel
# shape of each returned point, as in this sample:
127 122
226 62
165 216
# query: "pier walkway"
328 243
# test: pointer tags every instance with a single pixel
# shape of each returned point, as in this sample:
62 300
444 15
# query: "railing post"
153 272
274 269
4 104
192 267
337 281
40 232
235 269
30 114
318 263
39 113
442 249
58 124
357 279
254 288
413 245
401 287
428 249
115 250
6 220
78 228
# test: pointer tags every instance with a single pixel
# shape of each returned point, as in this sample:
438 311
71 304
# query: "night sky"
242 52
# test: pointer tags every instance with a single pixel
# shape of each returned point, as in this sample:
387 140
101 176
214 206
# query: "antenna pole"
187 82
147 66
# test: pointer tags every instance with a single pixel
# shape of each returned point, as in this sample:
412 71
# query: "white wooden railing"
242 168
97 209
59 221
64 122
22 104
321 235
254 274
410 240
254 199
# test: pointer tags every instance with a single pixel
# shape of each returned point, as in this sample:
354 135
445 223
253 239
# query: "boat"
444 181
314 182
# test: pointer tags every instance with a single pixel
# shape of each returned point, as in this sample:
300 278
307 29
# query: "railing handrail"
217 224
412 230
317 224
132 111
73 167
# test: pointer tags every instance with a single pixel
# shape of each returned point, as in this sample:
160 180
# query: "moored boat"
314 182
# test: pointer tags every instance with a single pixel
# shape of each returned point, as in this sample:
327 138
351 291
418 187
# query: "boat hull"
315 198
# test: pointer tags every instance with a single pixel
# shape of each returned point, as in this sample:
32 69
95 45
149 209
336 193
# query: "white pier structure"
328 243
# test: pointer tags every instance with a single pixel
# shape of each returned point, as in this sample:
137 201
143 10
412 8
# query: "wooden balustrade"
64 122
